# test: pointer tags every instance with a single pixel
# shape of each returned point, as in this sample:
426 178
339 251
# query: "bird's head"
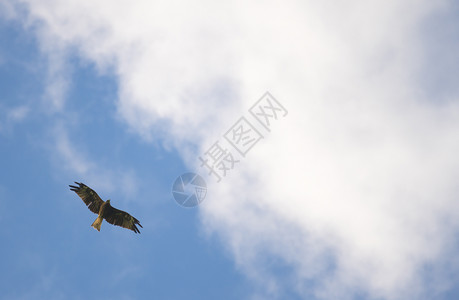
108 201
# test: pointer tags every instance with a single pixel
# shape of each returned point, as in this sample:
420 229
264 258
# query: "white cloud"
356 189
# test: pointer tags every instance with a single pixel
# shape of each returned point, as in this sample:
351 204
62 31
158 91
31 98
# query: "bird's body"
98 222
104 210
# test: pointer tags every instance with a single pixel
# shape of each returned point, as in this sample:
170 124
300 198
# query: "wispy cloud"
73 158
11 116
355 192
46 275
57 81
7 9
17 114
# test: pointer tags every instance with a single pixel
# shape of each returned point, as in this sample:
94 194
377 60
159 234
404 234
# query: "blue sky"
49 248
352 195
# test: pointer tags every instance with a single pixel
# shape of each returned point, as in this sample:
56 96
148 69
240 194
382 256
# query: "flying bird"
104 210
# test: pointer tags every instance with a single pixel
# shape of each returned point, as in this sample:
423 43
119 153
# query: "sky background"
352 195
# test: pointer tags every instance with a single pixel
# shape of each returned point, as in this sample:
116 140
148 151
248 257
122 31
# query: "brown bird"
104 210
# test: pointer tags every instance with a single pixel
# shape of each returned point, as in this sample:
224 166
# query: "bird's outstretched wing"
89 197
121 218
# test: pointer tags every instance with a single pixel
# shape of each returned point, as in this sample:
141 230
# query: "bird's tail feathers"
97 223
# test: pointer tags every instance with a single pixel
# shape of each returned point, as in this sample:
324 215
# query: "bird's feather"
89 196
121 218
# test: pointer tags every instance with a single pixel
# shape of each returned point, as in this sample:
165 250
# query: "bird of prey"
104 210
